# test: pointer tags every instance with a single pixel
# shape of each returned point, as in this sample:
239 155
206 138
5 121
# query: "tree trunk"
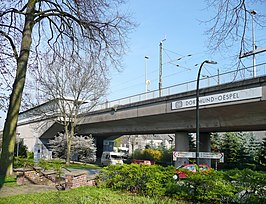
68 149
70 131
68 143
9 134
69 138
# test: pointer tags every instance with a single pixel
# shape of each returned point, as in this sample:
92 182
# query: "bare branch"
69 30
230 24
15 53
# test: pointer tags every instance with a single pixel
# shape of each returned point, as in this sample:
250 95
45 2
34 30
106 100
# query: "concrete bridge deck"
239 106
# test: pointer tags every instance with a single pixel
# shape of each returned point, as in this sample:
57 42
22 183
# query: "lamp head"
210 62
253 12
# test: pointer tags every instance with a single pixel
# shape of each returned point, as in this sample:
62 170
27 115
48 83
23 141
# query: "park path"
33 188
25 189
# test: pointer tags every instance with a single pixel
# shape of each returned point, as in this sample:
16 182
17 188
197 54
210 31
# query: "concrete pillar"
181 145
205 146
99 146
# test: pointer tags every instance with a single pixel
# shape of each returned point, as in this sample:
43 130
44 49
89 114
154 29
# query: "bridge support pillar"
99 146
205 146
181 145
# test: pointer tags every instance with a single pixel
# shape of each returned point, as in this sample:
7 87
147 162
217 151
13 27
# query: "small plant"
55 165
20 162
30 155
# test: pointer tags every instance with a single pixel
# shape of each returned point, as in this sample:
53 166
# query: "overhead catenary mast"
254 50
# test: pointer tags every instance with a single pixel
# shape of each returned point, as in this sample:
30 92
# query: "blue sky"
182 24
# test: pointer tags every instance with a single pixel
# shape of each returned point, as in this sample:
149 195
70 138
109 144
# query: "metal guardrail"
208 81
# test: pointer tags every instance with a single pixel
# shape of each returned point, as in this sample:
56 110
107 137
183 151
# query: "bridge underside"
56 128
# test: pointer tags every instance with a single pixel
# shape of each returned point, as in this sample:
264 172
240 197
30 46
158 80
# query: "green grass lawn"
10 181
84 195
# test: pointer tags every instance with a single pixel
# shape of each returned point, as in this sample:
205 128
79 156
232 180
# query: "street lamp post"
253 13
161 67
146 80
197 108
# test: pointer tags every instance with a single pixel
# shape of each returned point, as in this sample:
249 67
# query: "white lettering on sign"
184 155
210 155
219 98
203 155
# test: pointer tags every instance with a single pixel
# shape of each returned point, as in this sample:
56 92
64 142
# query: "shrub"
55 164
19 162
22 161
140 179
250 185
167 156
148 154
234 186
22 149
202 186
152 154
209 186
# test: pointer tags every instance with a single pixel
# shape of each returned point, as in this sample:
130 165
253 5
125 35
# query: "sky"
182 25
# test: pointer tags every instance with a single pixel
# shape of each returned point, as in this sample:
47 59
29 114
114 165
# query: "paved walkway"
32 188
25 189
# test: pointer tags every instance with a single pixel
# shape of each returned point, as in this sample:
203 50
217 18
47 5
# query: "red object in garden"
190 167
145 162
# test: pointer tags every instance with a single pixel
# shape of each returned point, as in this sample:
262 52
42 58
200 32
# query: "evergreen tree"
262 152
20 149
191 143
249 149
240 148
216 142
231 145
253 148
243 156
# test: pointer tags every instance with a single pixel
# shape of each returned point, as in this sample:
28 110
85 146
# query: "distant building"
131 143
259 135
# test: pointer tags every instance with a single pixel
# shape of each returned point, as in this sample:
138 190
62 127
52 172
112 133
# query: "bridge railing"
205 81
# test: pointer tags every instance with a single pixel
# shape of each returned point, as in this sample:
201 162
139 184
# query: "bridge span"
238 106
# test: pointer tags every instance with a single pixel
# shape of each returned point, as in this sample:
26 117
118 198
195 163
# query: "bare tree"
70 84
231 23
30 28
